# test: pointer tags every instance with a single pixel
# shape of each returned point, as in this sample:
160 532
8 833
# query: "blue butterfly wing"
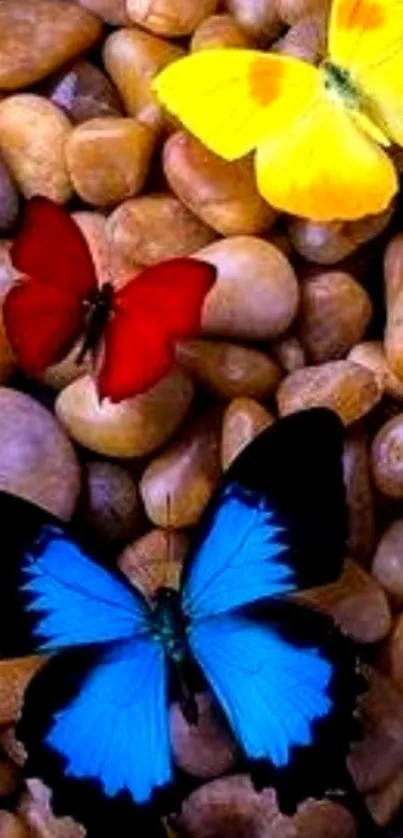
278 523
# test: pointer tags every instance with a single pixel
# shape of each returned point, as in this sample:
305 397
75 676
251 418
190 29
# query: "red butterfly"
58 297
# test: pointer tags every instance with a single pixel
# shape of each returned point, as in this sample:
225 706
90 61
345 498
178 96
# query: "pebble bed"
302 314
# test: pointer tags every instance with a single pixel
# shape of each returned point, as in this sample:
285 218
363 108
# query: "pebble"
15 676
33 135
289 352
334 313
222 194
257 17
111 11
229 370
177 484
59 375
256 294
204 750
108 159
132 58
83 92
347 388
371 354
292 11
37 462
155 227
395 652
387 565
155 560
10 777
171 18
110 503
305 40
330 242
360 496
385 803
393 272
38 36
9 201
132 428
110 264
11 826
243 420
387 458
7 277
221 30
34 806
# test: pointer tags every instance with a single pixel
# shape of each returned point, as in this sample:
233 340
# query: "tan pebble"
84 92
360 496
219 31
394 305
386 803
15 676
108 159
388 561
35 808
329 243
59 375
379 755
33 136
152 228
387 458
292 11
229 370
305 40
371 354
171 18
243 420
109 263
334 313
132 428
256 292
37 461
347 388
204 750
289 352
38 36
110 503
357 603
111 11
11 826
155 560
223 195
10 776
11 747
323 819
132 58
177 485
259 18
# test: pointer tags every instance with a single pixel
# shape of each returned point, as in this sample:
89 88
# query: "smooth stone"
347 388
33 136
305 40
224 195
220 30
371 354
292 11
38 36
289 353
132 428
111 11
155 227
64 372
256 293
359 495
110 503
387 565
393 285
37 461
387 458
327 243
35 808
9 200
83 92
257 17
243 420
178 484
203 750
108 159
15 675
155 560
385 803
395 652
171 18
110 264
132 59
12 827
10 777
229 370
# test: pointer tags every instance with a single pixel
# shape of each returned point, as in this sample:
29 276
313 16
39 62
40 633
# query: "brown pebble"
360 496
38 36
394 304
110 502
292 11
334 313
243 420
171 18
387 458
387 565
35 808
11 826
152 228
204 750
229 370
256 292
259 19
224 195
347 388
109 262
177 485
9 202
357 604
15 676
132 58
132 428
33 136
11 747
305 40
289 352
84 92
330 242
60 375
385 803
10 777
155 560
7 278
108 159
219 31
111 11
371 354
395 652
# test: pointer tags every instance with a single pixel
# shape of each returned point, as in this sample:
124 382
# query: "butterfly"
319 131
95 720
58 298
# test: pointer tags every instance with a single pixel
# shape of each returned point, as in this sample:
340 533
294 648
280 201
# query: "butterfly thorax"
99 307
169 625
339 82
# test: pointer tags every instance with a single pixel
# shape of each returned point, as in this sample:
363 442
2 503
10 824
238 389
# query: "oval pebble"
111 11
15 676
12 827
155 560
229 370
203 750
371 354
386 802
243 420
387 565
259 18
110 503
330 242
83 92
171 18
387 458
221 30
134 427
9 201
359 495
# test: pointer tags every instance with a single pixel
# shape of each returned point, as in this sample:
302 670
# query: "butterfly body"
97 310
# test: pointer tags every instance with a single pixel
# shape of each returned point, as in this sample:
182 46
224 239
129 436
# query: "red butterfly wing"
160 306
44 312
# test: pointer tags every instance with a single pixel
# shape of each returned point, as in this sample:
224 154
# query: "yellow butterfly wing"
366 38
231 98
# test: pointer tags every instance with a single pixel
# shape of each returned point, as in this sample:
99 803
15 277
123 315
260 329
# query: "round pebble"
111 11
330 242
394 302
360 496
291 11
243 420
171 18
387 458
204 750
305 40
219 31
110 503
9 202
229 370
83 92
289 352
155 560
371 354
15 676
259 19
388 561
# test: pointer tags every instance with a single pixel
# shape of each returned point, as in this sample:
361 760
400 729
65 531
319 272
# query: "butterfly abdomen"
169 625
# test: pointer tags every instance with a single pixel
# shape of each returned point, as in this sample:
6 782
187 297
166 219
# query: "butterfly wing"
156 308
43 311
278 522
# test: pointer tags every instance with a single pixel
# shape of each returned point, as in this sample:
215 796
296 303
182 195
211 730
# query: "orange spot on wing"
363 14
265 83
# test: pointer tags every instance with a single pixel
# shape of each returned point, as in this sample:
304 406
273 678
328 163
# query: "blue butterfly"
96 715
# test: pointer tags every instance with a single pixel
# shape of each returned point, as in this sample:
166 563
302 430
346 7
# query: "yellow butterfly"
318 131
